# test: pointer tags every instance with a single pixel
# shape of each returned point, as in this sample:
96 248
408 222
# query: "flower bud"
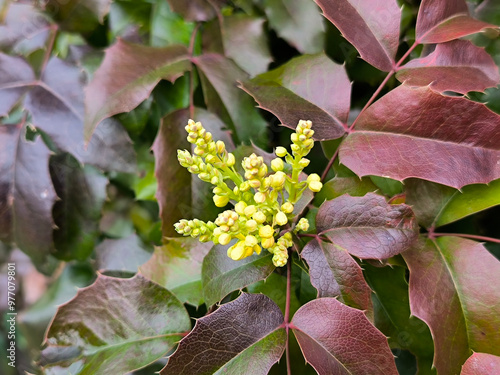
217 190
250 210
313 177
277 164
287 208
224 238
237 251
230 160
220 146
304 162
254 183
266 231
281 151
221 200
303 224
244 186
278 179
315 186
240 207
259 217
250 240
259 197
251 225
214 180
281 218
267 242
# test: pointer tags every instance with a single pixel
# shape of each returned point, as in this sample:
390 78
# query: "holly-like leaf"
338 186
221 275
453 288
242 337
81 192
481 364
488 11
78 16
371 26
219 77
333 337
123 255
437 205
26 193
367 227
298 22
116 326
420 133
335 273
55 102
23 29
196 10
393 316
440 21
180 194
453 66
306 88
177 266
127 77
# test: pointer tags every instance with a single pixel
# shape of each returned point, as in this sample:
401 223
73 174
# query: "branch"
471 236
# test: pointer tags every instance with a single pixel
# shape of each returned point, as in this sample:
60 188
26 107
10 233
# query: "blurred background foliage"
106 217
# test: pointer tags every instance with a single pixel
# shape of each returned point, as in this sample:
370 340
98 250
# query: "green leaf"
298 22
196 10
454 289
81 192
177 266
167 27
221 275
393 316
437 205
78 16
306 88
123 255
117 326
387 186
219 77
127 77
243 337
338 186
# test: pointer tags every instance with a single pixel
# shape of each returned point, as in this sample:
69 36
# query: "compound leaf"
367 227
243 337
117 325
416 132
333 337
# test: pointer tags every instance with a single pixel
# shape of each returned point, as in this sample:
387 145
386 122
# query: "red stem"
50 46
287 312
330 164
471 236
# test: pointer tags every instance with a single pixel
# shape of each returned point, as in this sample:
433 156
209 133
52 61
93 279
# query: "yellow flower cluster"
263 201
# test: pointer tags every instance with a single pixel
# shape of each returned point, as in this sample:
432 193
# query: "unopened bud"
281 218
315 186
221 201
281 151
240 207
267 242
304 162
259 197
266 231
250 210
277 164
224 238
287 208
259 217
230 160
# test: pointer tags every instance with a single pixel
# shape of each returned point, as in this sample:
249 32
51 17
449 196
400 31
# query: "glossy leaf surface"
333 337
367 227
453 289
79 16
196 10
335 273
118 325
221 275
440 21
481 364
371 26
122 256
177 266
306 88
420 133
241 337
457 66
127 77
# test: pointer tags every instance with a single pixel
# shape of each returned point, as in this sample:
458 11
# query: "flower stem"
471 236
191 74
287 312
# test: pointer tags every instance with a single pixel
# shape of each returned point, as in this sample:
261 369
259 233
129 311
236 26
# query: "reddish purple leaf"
337 339
242 337
196 10
335 273
453 66
306 88
421 133
481 364
16 77
371 26
26 193
440 21
126 78
367 227
454 289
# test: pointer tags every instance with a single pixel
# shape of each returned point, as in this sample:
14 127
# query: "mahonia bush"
263 201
